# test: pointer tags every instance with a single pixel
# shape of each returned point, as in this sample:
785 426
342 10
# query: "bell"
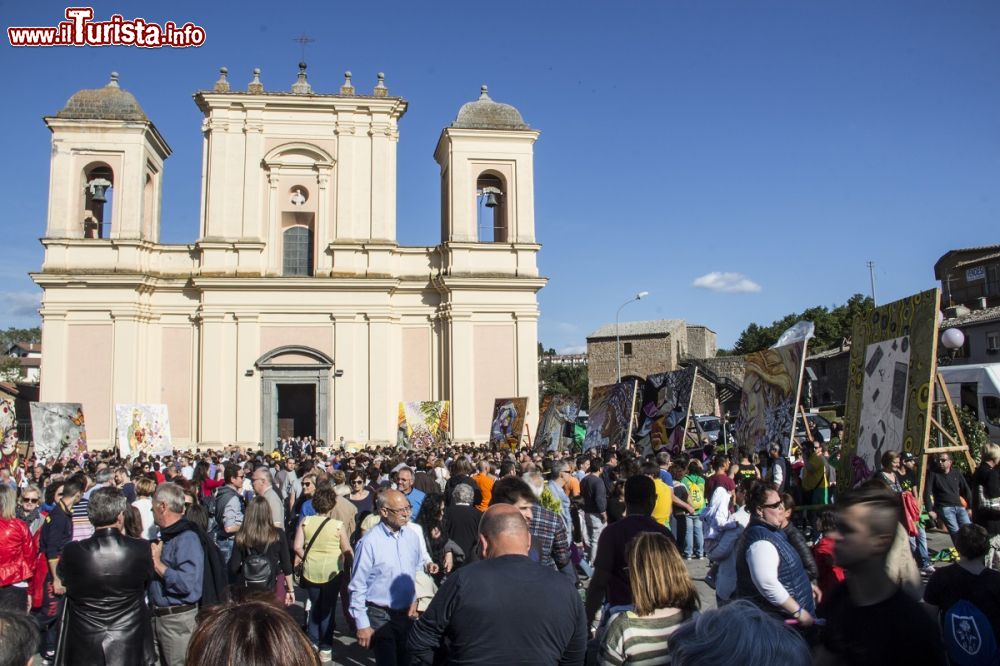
491 200
98 188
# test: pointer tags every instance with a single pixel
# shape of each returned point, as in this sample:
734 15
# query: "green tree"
560 379
12 335
832 326
975 433
10 369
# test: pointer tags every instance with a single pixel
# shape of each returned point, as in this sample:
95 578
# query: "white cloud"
731 283
573 349
20 303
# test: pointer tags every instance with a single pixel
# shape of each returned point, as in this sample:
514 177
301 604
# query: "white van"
976 386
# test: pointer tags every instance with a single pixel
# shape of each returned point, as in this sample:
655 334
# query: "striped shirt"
631 639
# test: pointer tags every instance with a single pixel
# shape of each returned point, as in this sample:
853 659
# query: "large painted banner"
60 432
143 429
770 397
893 352
556 412
666 403
423 424
8 427
609 424
508 422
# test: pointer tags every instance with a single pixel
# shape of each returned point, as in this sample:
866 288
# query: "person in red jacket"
830 575
17 554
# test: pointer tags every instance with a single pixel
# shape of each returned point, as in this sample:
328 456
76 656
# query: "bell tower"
106 170
487 175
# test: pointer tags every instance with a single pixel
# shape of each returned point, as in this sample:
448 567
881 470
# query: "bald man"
383 580
503 608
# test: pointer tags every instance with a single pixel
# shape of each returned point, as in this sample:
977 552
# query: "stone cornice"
498 282
294 283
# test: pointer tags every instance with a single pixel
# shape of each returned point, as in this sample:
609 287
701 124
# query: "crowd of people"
468 555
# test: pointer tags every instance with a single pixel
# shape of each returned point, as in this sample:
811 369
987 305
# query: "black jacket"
471 619
107 621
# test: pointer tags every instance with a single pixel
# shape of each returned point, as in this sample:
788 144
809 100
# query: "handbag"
297 570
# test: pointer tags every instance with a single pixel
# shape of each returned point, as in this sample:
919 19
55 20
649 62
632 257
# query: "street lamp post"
618 346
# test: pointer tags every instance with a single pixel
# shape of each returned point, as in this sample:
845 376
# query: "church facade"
295 311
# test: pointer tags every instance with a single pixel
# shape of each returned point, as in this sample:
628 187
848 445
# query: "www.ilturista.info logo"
81 30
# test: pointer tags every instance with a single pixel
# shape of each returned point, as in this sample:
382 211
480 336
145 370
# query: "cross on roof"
303 40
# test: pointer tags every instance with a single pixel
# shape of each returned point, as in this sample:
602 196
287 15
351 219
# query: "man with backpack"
228 509
967 597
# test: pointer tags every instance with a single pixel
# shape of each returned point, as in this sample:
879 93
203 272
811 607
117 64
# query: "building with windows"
649 347
970 284
296 304
29 362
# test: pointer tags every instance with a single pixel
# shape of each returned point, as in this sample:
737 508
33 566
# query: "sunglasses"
30 500
357 482
307 483
773 505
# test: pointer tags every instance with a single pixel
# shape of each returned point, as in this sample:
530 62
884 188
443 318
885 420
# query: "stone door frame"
316 373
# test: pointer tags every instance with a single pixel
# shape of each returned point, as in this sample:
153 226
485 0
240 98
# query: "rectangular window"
297 251
628 349
993 342
993 280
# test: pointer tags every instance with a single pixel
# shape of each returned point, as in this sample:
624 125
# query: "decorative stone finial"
347 88
256 86
222 85
113 83
380 89
483 90
301 86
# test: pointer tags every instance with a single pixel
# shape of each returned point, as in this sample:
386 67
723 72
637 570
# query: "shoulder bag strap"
319 529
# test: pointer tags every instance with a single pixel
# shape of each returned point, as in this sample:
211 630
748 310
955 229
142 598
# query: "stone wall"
650 354
700 342
830 387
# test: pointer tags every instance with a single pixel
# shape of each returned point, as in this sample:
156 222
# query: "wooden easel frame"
954 445
526 434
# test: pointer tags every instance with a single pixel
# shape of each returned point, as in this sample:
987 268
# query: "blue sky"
785 142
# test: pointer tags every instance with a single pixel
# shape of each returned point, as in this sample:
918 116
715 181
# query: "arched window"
98 184
298 251
491 196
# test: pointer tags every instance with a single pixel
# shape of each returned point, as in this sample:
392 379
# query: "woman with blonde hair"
663 597
323 548
260 556
17 553
144 487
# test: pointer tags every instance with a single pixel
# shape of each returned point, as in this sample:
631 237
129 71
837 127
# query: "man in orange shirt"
485 480
572 487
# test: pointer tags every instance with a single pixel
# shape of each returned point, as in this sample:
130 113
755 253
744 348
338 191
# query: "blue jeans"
323 601
954 517
918 546
226 548
694 542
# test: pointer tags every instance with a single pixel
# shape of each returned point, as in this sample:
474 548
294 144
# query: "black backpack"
258 572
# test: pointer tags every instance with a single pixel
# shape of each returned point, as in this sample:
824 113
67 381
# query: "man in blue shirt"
179 560
663 462
383 582
404 482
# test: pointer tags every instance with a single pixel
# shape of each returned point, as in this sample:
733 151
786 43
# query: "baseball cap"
907 456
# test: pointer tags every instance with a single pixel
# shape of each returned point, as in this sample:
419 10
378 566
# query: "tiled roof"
977 249
977 260
974 317
484 113
628 328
